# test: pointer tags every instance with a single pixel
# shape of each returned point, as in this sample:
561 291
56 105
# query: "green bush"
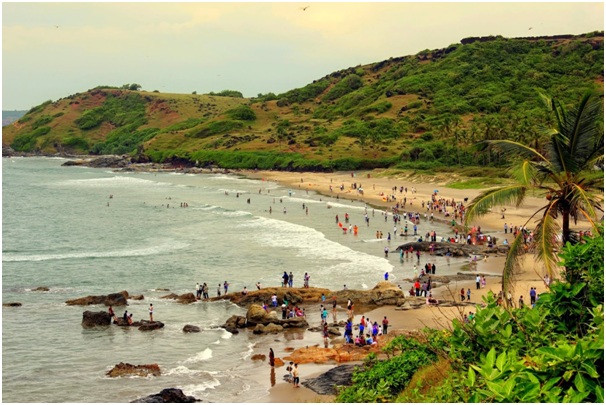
242 113
343 87
227 93
27 142
75 142
214 128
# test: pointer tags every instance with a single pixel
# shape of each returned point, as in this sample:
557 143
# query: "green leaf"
490 357
501 361
471 377
508 388
599 393
567 375
579 382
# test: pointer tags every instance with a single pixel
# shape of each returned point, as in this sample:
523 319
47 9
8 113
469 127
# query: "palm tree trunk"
565 227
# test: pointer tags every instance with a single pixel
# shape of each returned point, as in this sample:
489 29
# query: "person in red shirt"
417 288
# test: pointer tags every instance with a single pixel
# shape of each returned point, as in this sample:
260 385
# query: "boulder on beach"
139 297
326 383
278 362
147 325
116 300
341 353
167 396
384 293
272 328
128 370
257 315
191 329
256 357
234 323
11 304
91 319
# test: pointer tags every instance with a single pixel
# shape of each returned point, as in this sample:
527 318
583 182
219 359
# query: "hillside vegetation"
422 111
552 352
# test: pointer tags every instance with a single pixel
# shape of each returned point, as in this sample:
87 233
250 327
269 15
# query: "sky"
53 50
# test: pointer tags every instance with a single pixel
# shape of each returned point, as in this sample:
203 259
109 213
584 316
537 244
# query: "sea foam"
200 356
165 247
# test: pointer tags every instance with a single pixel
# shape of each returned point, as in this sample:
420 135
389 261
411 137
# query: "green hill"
423 111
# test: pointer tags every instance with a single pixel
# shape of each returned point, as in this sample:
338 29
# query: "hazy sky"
52 50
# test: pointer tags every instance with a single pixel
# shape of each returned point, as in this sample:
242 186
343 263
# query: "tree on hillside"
568 174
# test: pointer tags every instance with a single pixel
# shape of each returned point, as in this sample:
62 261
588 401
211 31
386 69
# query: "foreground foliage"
553 352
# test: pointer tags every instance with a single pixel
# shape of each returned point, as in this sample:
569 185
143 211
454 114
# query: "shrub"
243 113
215 127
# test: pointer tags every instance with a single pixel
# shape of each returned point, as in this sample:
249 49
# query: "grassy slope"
421 89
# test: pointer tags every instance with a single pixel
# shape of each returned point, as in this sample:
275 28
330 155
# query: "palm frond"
512 261
480 205
559 157
516 150
582 125
581 199
581 137
525 173
595 229
545 239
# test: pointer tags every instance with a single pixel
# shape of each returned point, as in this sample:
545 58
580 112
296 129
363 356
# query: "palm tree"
568 172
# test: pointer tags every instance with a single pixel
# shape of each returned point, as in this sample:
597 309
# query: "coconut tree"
568 171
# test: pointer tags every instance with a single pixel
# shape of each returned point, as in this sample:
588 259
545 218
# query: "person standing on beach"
385 325
285 279
151 312
291 278
469 294
225 286
219 290
533 295
271 357
295 376
462 294
478 281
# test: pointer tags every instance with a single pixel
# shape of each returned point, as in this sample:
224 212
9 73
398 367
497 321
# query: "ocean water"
61 229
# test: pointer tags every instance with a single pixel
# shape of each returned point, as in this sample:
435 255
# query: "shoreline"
400 320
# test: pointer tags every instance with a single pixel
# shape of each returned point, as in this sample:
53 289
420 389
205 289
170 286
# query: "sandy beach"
376 187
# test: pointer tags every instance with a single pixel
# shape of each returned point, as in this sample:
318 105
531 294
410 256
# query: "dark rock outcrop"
91 319
116 300
139 297
325 383
186 298
41 289
234 323
456 249
147 325
191 329
11 304
123 322
127 370
167 396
